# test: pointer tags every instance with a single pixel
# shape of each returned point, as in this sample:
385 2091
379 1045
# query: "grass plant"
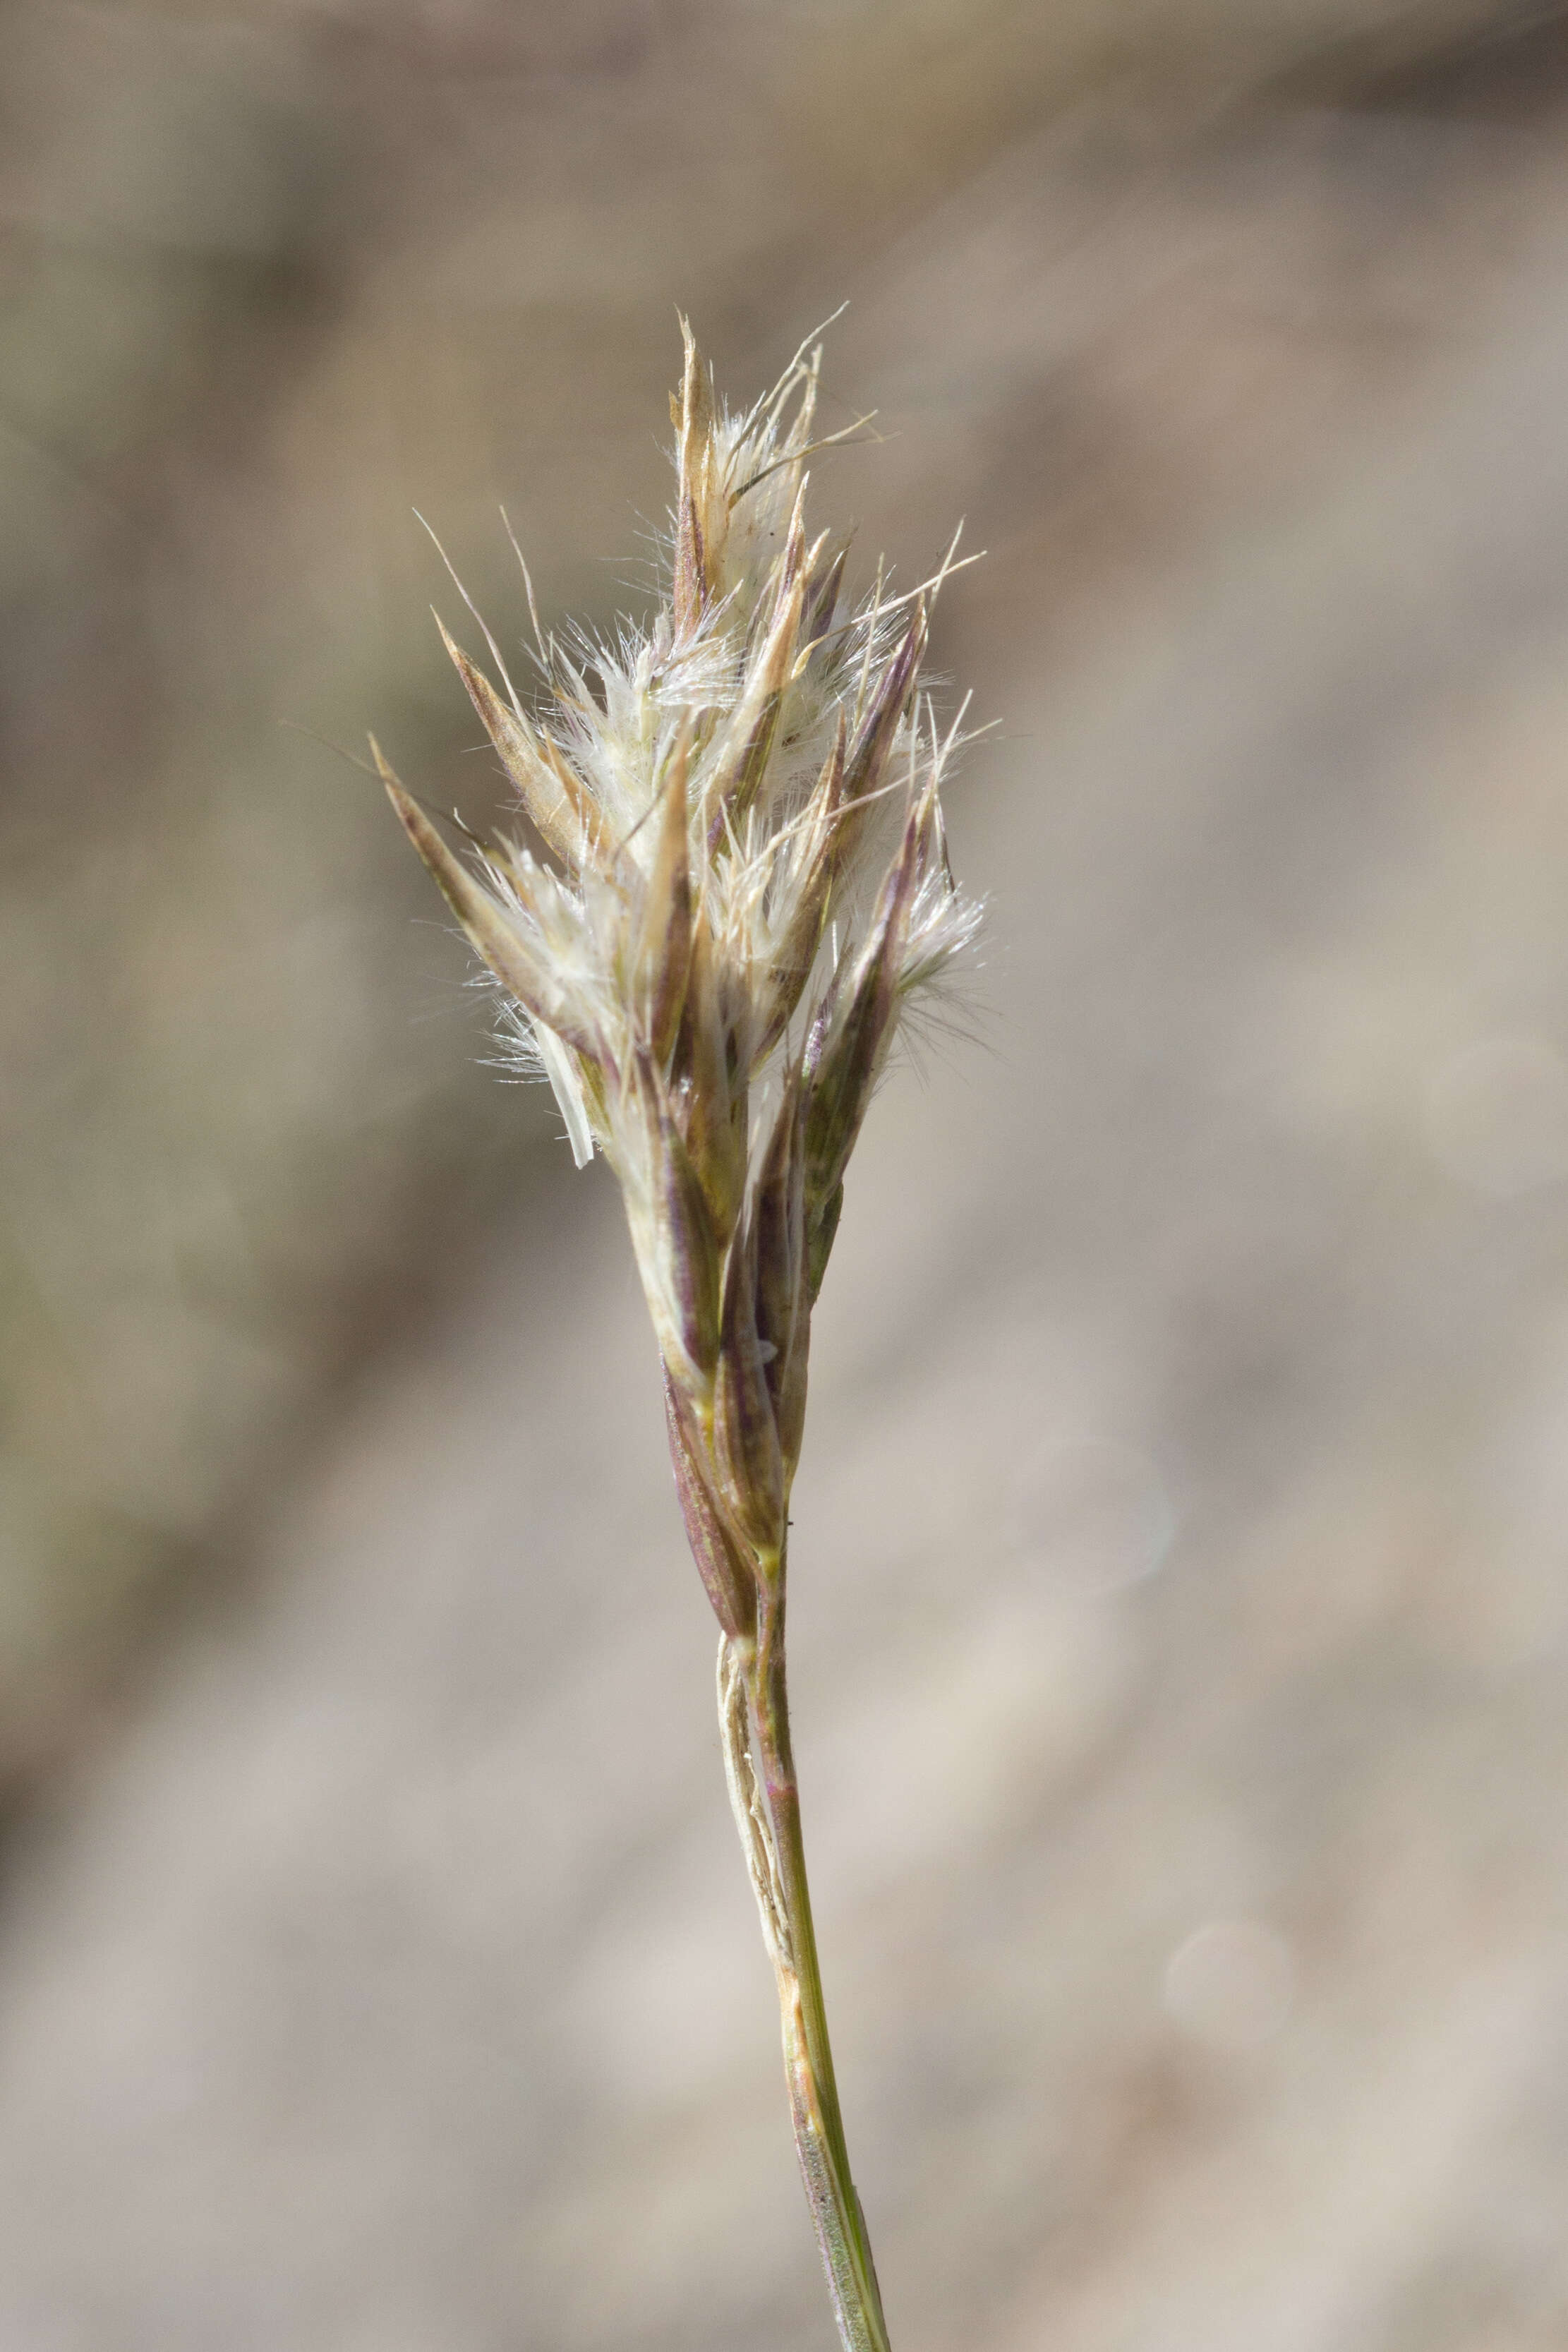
732 886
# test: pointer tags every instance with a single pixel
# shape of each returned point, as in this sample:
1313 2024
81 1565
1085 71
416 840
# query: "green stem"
753 1712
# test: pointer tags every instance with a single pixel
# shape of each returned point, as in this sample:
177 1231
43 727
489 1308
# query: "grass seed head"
746 885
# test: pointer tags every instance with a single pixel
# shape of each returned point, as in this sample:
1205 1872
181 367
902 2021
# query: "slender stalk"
753 1714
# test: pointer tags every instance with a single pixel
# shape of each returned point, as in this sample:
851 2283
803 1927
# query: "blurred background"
1180 1613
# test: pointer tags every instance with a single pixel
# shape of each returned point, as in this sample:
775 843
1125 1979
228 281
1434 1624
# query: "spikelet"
747 882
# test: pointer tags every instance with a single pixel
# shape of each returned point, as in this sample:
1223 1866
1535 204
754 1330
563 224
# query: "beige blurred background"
1179 1615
